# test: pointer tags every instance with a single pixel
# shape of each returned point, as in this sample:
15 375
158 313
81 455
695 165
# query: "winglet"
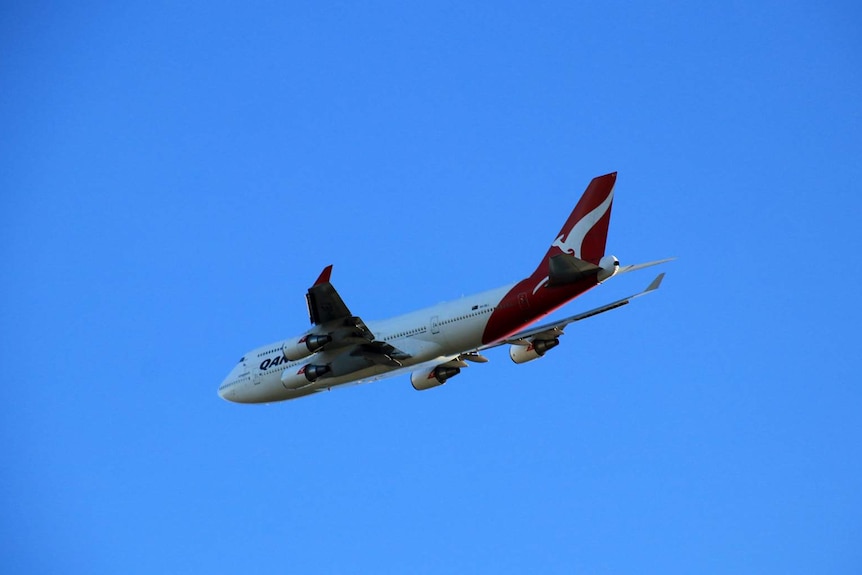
655 283
324 275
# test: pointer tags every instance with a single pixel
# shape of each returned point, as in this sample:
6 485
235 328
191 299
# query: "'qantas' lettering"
268 363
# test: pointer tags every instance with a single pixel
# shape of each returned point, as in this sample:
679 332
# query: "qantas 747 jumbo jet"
434 343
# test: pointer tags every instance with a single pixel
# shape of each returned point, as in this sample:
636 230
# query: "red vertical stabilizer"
585 232
583 236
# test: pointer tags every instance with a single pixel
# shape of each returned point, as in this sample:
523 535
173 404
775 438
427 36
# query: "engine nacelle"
536 349
300 347
422 380
610 266
306 375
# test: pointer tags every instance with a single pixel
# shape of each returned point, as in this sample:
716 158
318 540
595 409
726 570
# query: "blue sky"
174 177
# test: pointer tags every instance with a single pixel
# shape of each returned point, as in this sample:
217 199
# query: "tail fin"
585 232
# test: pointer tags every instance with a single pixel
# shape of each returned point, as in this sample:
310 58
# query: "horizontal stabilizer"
566 269
635 267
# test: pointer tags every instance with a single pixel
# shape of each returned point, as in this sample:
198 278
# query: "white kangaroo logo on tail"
574 240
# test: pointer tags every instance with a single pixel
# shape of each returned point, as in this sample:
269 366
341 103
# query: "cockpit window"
242 359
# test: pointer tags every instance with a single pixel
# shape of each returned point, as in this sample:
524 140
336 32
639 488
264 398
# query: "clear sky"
173 178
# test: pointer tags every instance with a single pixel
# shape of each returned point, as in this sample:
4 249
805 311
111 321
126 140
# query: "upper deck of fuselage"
437 322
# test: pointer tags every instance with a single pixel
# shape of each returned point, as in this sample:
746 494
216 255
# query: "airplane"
435 343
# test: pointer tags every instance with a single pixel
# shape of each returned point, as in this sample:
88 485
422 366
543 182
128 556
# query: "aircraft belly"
372 373
269 388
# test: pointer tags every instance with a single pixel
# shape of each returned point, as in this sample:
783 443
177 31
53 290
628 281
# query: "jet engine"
342 365
300 347
422 380
306 375
536 349
610 266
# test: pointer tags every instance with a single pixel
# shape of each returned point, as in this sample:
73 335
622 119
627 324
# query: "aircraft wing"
555 329
324 303
328 310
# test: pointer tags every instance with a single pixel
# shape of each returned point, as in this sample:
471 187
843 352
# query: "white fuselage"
430 336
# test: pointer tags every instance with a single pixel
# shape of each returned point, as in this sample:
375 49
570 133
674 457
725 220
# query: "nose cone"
224 390
231 388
